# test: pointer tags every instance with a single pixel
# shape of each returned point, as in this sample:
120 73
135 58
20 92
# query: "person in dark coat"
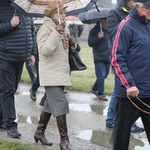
17 45
76 31
130 58
116 15
98 40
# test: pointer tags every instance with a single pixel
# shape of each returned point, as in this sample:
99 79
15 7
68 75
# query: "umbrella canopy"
71 20
31 8
76 7
35 8
94 16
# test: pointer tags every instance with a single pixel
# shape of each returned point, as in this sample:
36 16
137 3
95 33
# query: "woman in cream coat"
53 43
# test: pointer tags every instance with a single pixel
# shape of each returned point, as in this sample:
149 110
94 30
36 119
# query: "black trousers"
10 74
126 115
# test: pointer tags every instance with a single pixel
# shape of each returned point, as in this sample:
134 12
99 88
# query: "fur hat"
51 9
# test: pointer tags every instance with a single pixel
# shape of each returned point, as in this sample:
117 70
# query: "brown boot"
42 124
62 127
43 100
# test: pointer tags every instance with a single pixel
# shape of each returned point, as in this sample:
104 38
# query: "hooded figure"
119 13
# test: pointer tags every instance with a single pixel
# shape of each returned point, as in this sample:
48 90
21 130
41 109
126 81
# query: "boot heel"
36 140
61 148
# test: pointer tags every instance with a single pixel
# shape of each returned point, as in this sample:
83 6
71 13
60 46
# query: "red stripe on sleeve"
114 50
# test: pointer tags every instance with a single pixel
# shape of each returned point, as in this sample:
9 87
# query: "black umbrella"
94 16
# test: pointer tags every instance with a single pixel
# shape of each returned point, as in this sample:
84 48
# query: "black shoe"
13 132
94 92
2 127
136 129
110 125
65 92
103 98
32 95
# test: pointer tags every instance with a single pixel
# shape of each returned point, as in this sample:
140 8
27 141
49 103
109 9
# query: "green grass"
83 80
4 145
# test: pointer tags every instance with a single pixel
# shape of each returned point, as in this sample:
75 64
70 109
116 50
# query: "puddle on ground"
27 119
26 93
101 138
98 137
83 103
98 109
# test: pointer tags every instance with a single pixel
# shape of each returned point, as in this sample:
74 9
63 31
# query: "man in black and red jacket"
130 59
116 15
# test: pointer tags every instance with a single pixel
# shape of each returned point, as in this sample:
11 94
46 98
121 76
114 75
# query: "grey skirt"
56 102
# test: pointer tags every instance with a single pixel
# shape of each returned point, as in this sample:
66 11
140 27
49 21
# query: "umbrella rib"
96 6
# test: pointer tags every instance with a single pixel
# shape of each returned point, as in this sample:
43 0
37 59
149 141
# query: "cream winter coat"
54 67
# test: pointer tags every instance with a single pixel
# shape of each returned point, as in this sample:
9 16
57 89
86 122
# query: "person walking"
54 71
130 58
31 71
76 31
17 45
116 15
36 82
98 40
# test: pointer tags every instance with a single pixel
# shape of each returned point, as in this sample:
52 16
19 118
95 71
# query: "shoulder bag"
75 61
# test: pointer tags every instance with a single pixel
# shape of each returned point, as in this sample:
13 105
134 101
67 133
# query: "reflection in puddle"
80 107
101 138
25 93
98 109
85 135
28 119
79 97
97 137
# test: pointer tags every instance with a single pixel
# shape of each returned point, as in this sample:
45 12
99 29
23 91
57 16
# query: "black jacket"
115 16
16 44
100 46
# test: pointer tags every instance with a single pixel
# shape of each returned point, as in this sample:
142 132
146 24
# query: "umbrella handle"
100 25
58 11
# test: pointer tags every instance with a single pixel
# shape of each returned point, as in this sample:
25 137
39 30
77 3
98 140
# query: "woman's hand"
60 28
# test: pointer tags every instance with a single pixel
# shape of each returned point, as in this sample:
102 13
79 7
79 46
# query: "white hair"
139 4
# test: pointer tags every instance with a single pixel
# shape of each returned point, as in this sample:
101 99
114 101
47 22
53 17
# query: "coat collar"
134 14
